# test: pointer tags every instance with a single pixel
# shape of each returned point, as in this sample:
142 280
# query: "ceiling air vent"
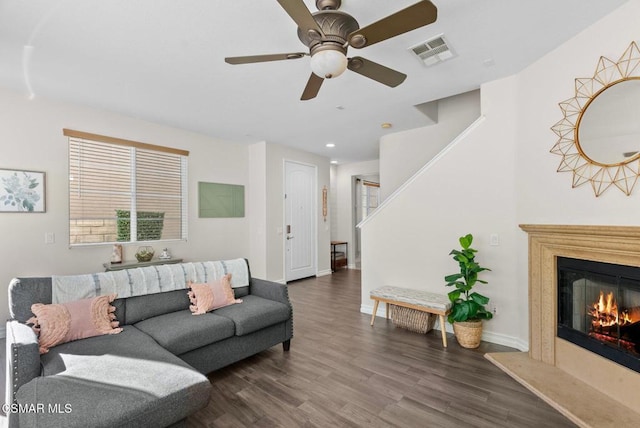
433 51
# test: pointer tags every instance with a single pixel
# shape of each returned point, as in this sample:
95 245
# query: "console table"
338 258
135 264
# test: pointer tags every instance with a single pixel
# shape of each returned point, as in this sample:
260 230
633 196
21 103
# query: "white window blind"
124 191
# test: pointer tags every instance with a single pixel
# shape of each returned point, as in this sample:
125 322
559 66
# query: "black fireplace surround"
599 308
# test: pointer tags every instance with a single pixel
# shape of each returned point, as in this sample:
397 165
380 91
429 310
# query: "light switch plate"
494 239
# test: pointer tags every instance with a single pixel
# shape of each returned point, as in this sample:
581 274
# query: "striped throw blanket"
147 280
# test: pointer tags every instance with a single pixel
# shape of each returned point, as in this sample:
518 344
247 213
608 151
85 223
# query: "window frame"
134 146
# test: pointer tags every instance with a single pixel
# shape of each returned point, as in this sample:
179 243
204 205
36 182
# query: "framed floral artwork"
22 191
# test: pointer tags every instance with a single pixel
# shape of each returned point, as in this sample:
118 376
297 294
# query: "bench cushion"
182 331
413 297
254 313
120 380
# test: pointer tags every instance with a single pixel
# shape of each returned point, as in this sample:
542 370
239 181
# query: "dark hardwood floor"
343 372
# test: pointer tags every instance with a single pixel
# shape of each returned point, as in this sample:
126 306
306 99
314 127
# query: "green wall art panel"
218 200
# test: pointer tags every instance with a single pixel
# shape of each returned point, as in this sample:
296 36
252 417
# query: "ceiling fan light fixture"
328 63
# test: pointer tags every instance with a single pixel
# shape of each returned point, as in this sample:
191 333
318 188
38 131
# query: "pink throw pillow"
214 295
60 323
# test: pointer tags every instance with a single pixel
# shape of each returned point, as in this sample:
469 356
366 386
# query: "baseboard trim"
368 309
503 339
487 336
324 272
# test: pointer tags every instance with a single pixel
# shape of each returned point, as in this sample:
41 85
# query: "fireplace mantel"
609 244
628 232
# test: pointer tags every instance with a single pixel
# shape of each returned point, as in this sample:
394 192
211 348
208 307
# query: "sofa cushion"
125 379
181 331
140 308
240 292
255 313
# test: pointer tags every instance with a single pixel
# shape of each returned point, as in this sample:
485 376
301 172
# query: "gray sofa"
152 374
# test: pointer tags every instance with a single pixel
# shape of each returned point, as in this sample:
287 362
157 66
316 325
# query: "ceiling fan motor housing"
335 25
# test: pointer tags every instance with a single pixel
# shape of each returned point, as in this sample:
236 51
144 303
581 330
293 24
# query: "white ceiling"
163 61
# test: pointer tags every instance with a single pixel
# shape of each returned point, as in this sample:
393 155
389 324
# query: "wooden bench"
433 303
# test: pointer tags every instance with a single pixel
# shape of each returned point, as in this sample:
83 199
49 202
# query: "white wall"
257 209
404 153
344 201
500 176
275 157
537 179
31 138
407 241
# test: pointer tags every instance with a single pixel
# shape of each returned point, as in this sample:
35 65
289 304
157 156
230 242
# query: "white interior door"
300 220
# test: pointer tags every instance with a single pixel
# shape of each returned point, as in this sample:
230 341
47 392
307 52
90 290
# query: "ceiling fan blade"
312 88
375 71
299 12
263 58
416 16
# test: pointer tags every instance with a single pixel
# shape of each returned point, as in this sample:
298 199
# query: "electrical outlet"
49 238
494 310
494 239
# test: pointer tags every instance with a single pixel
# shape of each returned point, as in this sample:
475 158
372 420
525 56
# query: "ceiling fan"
329 32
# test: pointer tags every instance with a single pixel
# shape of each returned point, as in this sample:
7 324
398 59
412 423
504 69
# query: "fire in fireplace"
599 308
611 324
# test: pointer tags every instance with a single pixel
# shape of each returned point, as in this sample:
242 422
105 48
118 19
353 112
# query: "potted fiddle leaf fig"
467 306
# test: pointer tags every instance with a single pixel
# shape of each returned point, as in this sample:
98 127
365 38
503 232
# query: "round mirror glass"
609 129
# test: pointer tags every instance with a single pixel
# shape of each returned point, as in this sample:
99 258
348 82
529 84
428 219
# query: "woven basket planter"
411 319
468 333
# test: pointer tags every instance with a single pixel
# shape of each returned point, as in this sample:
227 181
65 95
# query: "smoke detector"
433 51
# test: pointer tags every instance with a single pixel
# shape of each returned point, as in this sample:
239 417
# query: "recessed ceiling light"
330 145
334 162
386 125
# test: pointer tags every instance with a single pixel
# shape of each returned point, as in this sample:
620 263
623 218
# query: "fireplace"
599 308
566 375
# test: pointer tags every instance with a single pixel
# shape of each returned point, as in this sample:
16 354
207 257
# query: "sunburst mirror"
599 135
